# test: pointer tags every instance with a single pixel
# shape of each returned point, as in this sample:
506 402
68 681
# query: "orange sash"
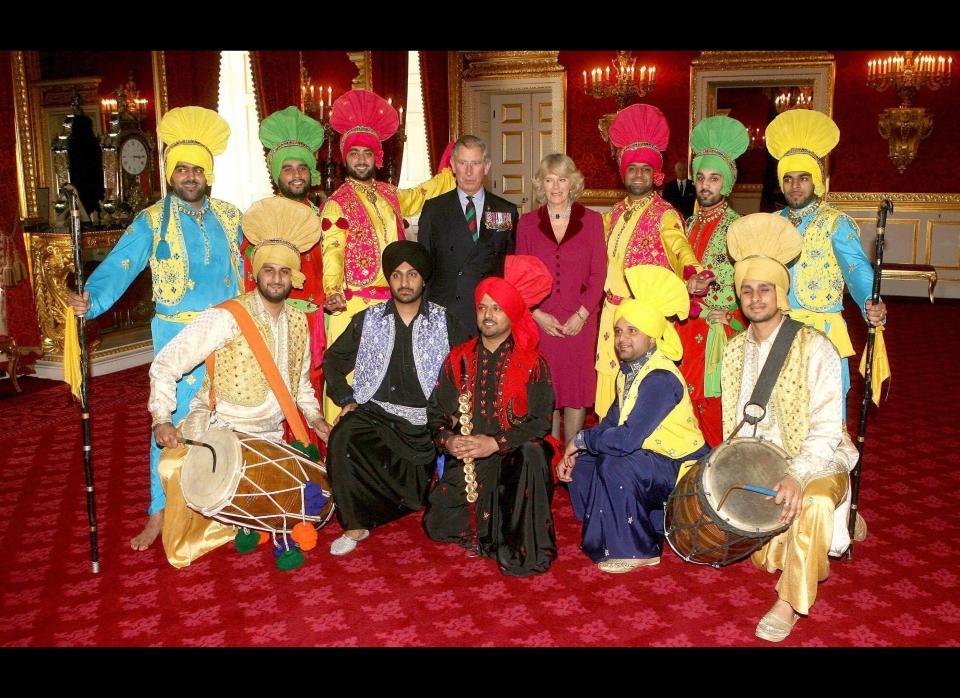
267 365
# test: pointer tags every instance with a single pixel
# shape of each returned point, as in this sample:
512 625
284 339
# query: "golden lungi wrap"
801 550
186 534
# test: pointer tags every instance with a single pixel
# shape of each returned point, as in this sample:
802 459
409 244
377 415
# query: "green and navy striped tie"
472 219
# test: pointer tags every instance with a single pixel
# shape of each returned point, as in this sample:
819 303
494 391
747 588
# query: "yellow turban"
800 139
281 230
763 244
193 135
658 293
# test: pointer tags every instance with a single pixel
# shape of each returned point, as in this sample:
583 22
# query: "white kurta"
211 330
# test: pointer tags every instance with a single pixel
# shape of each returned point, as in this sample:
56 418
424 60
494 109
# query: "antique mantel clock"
130 152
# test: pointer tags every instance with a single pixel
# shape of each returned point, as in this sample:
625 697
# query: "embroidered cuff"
160 420
579 441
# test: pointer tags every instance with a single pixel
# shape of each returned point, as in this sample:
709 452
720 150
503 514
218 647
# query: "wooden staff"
71 193
885 206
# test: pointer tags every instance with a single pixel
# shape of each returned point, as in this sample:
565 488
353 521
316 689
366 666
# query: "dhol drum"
254 483
718 514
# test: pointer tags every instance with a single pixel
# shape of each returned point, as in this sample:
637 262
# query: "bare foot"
149 533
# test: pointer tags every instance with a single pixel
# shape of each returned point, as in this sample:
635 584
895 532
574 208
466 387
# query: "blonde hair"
563 166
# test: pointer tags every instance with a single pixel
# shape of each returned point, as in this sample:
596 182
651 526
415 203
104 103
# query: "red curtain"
276 76
193 78
22 322
388 72
436 107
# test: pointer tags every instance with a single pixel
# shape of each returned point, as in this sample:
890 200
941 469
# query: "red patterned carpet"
399 589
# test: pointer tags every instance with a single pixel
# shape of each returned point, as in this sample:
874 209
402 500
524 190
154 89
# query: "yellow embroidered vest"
817 282
678 434
237 376
170 275
791 394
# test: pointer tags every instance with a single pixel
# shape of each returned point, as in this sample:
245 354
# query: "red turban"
527 282
641 134
364 119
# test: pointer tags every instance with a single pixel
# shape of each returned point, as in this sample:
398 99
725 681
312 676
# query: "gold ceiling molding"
362 60
510 64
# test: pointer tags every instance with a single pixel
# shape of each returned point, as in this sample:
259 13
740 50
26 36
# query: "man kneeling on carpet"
622 470
488 414
242 396
804 416
381 456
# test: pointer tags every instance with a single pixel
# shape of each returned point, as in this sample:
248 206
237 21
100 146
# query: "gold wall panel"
546 112
512 184
512 147
545 144
901 238
511 114
943 244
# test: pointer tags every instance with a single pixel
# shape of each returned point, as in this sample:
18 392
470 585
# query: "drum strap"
770 371
267 365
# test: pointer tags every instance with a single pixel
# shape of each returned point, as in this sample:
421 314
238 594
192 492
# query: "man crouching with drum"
243 396
804 416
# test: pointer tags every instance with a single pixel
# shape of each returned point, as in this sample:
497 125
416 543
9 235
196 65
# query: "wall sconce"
905 126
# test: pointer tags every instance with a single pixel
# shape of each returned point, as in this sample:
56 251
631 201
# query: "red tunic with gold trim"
707 233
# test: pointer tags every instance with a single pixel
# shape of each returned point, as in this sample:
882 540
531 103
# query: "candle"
311 94
329 95
401 116
653 70
949 66
390 101
584 78
321 105
608 75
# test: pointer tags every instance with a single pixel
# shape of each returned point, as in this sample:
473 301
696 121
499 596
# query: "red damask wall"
671 95
859 163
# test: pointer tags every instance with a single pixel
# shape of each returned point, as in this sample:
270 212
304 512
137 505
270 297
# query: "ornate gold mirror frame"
725 69
28 110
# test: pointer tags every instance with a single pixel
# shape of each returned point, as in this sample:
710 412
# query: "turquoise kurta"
211 268
855 267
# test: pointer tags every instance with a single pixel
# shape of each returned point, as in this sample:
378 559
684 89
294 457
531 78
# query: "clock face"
133 156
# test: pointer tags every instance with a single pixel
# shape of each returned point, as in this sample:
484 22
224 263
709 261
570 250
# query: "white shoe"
345 545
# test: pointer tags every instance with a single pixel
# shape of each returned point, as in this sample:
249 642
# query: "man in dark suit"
681 193
467 231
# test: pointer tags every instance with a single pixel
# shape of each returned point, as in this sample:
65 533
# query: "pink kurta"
578 265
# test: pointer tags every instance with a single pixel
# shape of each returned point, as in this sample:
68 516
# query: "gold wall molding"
362 60
902 201
510 64
475 66
724 60
161 102
714 69
601 197
27 155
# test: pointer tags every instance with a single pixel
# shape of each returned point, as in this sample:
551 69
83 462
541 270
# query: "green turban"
289 134
717 142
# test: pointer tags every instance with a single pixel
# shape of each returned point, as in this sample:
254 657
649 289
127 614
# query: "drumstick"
749 488
213 453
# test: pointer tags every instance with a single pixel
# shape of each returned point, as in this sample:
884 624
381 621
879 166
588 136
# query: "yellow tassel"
71 352
881 365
